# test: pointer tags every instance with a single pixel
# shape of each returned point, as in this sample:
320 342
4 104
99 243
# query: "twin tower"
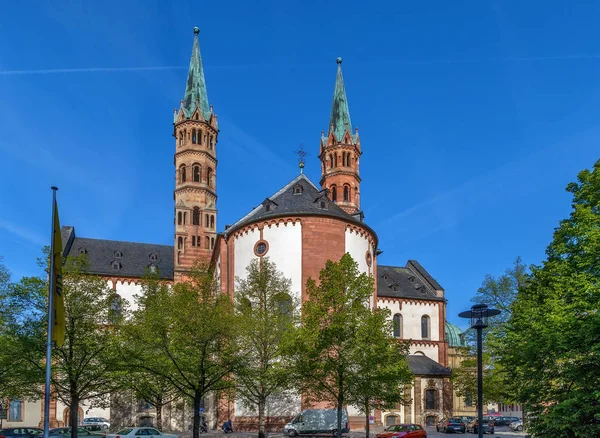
196 133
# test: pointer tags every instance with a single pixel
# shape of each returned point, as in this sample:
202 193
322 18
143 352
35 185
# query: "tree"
552 348
326 346
83 369
153 389
266 312
499 293
184 334
381 370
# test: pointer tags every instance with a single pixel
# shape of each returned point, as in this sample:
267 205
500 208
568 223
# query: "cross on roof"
301 155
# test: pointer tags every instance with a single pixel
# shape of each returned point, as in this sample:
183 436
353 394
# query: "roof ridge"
123 241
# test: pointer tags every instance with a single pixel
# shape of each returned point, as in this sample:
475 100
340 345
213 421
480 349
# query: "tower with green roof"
195 129
340 152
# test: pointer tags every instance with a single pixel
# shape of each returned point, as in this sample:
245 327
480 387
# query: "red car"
403 430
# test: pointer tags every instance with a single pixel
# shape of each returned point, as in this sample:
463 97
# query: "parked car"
21 432
132 432
504 421
96 421
312 421
488 426
516 425
452 424
403 430
64 432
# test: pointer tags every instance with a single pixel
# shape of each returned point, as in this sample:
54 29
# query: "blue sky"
473 116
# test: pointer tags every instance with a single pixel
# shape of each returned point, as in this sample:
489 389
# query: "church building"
299 226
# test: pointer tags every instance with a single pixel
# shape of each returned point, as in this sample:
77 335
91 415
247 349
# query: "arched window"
282 303
116 265
430 397
390 420
184 136
212 221
425 327
197 173
212 242
115 308
193 136
179 218
180 242
397 325
209 174
196 216
207 242
184 218
333 191
199 136
346 193
335 157
211 144
178 257
193 240
330 160
182 174
180 138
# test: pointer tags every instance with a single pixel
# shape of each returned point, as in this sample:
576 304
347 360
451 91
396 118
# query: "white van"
313 421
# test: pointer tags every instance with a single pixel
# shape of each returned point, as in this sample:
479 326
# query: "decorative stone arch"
67 416
391 419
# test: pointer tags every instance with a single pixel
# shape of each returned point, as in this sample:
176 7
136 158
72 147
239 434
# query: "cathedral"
299 227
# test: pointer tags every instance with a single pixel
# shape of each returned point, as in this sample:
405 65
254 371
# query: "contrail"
84 70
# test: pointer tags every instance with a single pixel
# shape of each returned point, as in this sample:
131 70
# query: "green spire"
195 89
340 116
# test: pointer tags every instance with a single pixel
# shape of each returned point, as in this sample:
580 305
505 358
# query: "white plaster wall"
32 416
285 250
218 271
127 291
244 252
278 405
411 317
431 351
357 246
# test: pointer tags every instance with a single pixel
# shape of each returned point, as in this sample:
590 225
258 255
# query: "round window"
261 248
369 259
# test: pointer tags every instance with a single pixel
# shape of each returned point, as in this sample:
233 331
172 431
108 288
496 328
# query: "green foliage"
380 372
330 348
185 335
552 351
498 293
83 368
266 312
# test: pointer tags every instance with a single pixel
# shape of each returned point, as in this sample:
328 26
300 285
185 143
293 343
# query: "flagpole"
50 322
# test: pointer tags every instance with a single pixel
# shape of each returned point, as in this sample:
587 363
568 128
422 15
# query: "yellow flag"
58 318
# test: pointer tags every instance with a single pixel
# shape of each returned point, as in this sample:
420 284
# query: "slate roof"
406 282
134 259
286 202
195 89
422 365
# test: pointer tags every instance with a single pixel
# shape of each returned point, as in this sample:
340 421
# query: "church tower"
340 152
195 131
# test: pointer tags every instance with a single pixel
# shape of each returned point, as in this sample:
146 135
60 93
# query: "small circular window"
261 248
369 258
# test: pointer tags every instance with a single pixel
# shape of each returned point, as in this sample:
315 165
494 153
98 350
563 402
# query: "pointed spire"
195 89
339 121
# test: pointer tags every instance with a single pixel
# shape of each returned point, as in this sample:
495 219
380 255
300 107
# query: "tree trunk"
74 415
367 424
197 401
340 404
158 408
261 418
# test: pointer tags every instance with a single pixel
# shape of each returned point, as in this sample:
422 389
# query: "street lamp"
478 315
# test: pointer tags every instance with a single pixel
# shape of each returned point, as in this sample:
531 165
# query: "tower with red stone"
340 152
195 131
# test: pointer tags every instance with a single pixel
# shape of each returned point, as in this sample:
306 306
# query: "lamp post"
478 315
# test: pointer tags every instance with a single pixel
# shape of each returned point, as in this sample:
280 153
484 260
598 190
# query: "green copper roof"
455 336
195 89
340 116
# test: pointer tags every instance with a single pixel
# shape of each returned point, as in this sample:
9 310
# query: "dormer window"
152 268
116 265
323 205
118 254
153 257
268 207
82 251
298 189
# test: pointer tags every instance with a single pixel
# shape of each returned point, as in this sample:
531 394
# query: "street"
500 432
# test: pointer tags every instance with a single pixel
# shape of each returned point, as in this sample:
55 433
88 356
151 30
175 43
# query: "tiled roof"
300 197
422 365
403 282
117 258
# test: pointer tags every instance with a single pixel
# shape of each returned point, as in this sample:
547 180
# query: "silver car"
103 423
